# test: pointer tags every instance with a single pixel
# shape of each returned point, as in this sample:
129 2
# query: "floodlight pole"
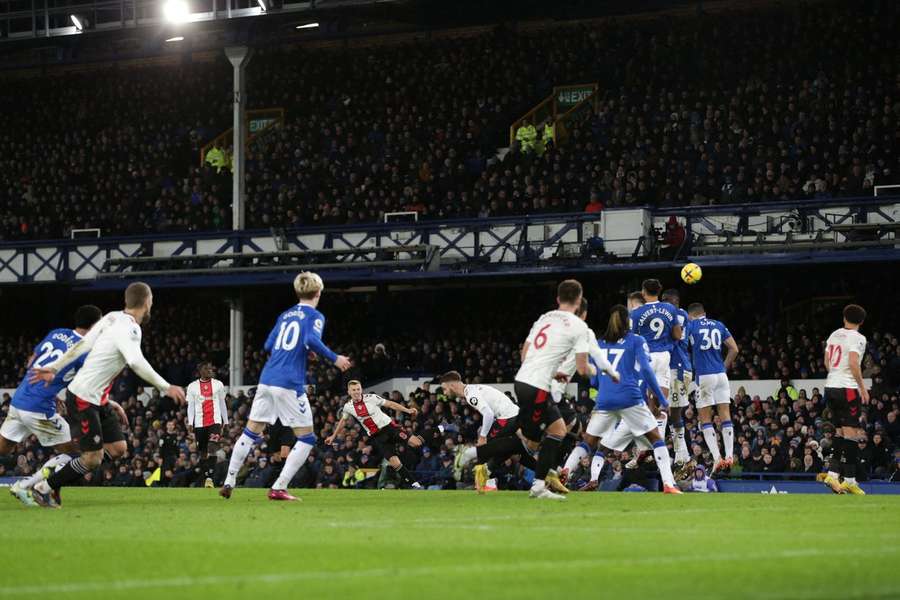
238 56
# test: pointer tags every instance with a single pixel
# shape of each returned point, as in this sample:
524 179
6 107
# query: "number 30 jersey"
550 340
297 331
837 352
40 398
705 337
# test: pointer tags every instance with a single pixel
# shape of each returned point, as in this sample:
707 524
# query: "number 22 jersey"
550 340
40 398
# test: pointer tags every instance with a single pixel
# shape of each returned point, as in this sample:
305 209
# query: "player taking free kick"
384 434
113 343
281 393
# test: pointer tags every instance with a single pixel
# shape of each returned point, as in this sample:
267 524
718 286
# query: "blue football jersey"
653 322
40 398
706 337
681 358
297 331
630 356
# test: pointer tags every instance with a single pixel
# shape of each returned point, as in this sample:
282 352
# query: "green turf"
107 544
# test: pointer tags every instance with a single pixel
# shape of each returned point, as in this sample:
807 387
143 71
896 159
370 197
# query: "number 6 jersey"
837 352
550 340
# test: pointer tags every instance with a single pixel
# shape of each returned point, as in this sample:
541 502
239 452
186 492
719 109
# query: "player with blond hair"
281 393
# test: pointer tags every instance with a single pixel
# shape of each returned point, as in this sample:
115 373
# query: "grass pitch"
190 544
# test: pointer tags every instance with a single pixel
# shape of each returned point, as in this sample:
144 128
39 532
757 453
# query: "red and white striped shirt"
368 412
206 403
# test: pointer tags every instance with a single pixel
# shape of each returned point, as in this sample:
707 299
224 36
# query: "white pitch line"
272 578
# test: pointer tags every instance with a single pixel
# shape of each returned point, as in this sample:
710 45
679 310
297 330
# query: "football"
691 273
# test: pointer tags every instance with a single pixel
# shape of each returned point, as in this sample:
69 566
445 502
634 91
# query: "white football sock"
597 465
728 438
299 454
57 461
468 455
661 454
538 485
578 452
709 435
661 423
239 454
681 451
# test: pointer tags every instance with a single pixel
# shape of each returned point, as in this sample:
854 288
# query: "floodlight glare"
307 26
176 11
78 21
177 38
263 5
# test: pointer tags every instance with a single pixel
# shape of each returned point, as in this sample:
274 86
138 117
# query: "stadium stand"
721 109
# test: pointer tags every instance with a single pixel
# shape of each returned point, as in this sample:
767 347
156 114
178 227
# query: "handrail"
553 112
530 115
224 139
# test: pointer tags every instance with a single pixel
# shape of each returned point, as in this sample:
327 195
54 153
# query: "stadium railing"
468 247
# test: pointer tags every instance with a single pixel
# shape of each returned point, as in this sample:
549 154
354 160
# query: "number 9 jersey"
550 340
653 322
40 398
297 331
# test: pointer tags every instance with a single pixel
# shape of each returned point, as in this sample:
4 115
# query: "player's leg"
47 492
679 401
262 413
835 400
406 478
638 418
853 434
295 412
213 442
585 447
705 403
600 425
723 407
13 431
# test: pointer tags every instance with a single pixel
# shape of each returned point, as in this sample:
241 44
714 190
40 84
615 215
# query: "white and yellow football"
691 273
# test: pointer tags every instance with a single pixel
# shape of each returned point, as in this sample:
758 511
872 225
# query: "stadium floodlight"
263 5
79 22
177 38
176 11
307 26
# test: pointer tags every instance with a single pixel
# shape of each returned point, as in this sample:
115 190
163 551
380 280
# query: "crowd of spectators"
775 104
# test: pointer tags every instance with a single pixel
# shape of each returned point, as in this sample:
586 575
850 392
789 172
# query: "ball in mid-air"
691 273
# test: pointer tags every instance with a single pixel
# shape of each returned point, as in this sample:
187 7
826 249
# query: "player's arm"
129 344
191 397
643 358
338 430
487 417
732 352
400 408
581 348
678 327
314 342
80 348
223 407
602 364
856 371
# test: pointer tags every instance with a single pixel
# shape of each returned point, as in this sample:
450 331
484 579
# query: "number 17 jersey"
297 331
550 340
